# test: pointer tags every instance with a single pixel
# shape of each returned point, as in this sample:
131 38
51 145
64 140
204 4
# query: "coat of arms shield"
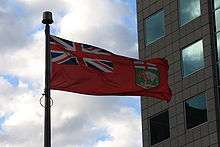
147 76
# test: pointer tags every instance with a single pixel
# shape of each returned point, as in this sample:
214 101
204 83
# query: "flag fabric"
87 69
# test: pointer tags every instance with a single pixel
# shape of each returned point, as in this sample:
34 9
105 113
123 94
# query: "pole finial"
47 18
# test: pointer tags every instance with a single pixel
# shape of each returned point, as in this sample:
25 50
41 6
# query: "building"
187 34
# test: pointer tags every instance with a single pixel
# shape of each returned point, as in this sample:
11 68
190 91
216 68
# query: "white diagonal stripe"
96 65
59 58
67 46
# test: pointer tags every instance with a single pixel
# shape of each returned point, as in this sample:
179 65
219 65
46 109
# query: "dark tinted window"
189 10
159 128
154 27
196 111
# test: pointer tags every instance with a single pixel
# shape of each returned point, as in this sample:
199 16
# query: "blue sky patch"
13 80
103 136
132 102
2 120
17 8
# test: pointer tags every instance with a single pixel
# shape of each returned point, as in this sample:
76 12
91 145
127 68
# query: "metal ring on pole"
41 101
51 102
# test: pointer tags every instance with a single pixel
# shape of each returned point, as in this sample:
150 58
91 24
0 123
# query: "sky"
77 120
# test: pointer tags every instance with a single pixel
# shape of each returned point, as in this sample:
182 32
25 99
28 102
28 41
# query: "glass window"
218 44
192 58
159 128
154 27
196 111
189 10
217 19
217 4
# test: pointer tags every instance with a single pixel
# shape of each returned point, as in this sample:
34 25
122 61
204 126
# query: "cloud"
74 118
20 19
23 115
101 23
12 27
121 127
86 126
26 63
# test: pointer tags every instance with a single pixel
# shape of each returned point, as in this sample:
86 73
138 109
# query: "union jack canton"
71 53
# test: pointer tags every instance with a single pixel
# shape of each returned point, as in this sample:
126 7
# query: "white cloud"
26 63
101 23
122 127
90 117
24 115
74 118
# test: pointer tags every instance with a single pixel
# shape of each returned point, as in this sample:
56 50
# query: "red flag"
86 69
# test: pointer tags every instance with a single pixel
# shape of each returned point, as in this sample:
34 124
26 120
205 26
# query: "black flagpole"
47 19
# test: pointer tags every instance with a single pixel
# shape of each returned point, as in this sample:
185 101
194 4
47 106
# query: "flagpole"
47 20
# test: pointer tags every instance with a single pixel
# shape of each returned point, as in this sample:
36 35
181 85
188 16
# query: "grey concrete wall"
170 46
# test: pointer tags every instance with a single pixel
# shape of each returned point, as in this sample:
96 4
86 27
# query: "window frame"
145 36
185 118
181 59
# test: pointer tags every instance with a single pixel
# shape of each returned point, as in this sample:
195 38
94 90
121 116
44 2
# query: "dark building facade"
187 34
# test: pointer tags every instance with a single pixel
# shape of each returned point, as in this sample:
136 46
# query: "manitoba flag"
87 69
